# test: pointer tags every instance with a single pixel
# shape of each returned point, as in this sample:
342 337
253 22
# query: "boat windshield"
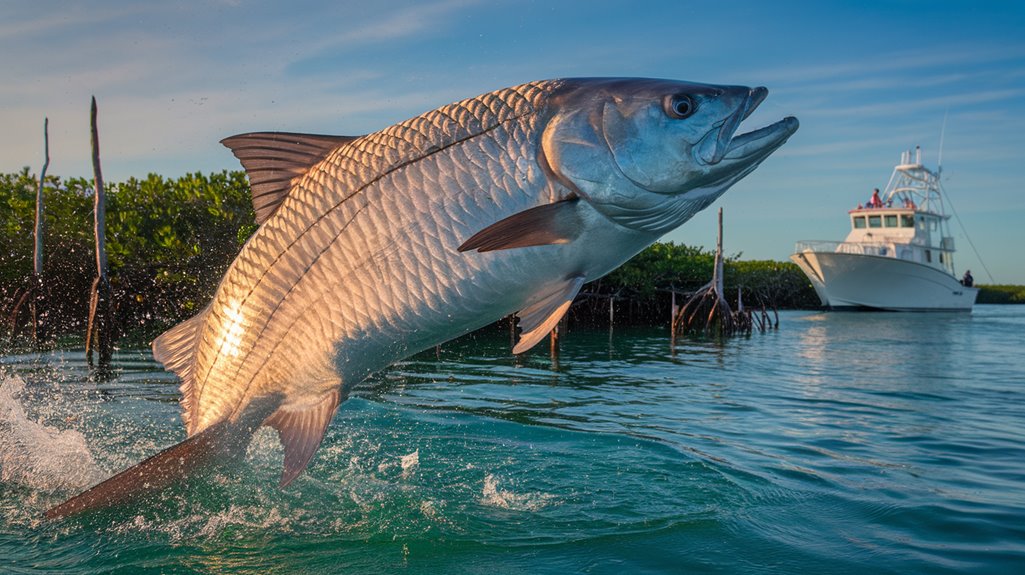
861 220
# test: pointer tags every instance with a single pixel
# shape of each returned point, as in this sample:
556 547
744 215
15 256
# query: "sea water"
839 443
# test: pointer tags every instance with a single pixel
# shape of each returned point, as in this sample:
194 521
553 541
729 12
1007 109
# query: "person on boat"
876 201
968 280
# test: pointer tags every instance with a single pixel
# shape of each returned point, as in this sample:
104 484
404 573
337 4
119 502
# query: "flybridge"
908 220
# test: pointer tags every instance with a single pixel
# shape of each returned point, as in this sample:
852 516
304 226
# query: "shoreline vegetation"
170 240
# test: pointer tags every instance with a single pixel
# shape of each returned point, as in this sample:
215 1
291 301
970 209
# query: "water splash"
408 463
39 456
495 497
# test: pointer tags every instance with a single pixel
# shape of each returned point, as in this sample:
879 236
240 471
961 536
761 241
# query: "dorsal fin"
301 431
176 349
273 161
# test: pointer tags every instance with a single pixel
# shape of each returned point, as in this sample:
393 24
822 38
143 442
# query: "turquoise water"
842 443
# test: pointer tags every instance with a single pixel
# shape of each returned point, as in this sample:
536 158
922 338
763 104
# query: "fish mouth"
722 143
759 143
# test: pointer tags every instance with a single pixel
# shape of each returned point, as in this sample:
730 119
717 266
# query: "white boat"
899 255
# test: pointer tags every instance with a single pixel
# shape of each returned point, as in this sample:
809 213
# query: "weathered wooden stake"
672 323
717 273
512 330
37 256
38 303
672 308
708 302
100 325
31 296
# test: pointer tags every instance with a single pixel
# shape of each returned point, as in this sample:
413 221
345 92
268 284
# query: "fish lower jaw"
761 142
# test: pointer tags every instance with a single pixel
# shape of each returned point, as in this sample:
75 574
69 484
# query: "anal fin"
538 319
301 431
176 350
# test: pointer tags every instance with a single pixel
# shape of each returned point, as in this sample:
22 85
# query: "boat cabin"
908 222
905 233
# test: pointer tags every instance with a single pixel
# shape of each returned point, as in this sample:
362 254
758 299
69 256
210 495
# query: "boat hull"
859 281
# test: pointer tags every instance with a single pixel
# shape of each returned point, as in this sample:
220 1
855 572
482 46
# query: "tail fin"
158 472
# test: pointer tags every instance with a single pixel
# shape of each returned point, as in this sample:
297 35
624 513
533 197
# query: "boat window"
859 222
891 220
941 257
875 221
907 220
928 256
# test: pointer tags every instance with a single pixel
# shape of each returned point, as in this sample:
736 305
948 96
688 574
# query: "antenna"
943 132
946 198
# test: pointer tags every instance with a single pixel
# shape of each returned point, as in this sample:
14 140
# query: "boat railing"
859 248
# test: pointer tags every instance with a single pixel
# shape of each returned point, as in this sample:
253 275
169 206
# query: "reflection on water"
906 345
840 442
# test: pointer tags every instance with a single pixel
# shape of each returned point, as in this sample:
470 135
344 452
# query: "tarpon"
375 247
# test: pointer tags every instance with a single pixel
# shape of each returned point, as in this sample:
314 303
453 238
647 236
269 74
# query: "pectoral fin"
557 223
539 319
301 431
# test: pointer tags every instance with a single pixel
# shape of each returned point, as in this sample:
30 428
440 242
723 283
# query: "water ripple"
840 443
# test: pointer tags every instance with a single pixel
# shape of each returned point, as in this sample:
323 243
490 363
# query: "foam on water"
38 456
493 496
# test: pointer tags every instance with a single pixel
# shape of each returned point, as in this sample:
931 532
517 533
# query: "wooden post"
100 321
37 259
717 273
101 199
672 324
512 330
553 340
672 307
708 302
31 296
38 315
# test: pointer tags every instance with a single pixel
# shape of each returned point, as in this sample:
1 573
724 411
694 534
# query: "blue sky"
867 79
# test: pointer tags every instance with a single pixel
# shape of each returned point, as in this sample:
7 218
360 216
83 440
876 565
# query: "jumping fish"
375 247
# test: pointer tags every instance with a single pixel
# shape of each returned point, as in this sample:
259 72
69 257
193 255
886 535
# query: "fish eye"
680 106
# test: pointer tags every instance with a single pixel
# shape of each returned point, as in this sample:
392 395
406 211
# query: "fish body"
375 247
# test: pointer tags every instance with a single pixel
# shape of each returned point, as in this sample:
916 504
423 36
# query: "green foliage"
169 241
774 284
642 289
1001 294
661 267
666 267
